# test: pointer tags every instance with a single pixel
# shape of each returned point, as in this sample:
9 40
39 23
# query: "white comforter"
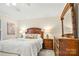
23 47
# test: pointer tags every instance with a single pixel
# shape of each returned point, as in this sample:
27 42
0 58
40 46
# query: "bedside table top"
48 39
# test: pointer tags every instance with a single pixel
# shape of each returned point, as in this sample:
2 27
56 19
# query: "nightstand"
48 44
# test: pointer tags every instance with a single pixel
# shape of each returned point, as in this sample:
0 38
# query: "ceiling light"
8 4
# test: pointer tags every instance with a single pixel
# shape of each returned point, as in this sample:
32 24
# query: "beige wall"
51 22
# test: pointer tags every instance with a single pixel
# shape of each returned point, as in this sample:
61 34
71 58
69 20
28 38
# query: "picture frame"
10 28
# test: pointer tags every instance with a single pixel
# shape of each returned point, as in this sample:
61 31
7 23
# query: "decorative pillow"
32 36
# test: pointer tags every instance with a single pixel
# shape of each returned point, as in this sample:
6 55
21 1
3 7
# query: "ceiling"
31 10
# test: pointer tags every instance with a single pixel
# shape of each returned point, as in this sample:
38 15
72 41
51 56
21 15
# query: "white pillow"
33 36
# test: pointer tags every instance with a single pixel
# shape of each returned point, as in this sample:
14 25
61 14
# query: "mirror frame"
74 18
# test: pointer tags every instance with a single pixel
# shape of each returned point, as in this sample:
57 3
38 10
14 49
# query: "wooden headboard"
34 30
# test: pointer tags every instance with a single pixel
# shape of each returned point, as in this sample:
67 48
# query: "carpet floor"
45 52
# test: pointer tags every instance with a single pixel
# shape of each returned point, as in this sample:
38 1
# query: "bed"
23 46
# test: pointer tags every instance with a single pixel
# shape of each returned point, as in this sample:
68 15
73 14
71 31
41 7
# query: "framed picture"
10 29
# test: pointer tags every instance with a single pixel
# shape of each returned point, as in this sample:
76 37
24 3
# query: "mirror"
68 27
69 20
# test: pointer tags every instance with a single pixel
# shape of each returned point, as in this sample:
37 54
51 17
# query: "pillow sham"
32 36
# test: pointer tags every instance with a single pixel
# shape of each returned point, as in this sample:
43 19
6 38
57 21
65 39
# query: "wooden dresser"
66 47
48 44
